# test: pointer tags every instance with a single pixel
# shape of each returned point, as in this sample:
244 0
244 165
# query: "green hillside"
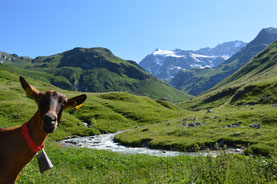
105 112
205 79
159 121
96 70
262 67
255 83
247 97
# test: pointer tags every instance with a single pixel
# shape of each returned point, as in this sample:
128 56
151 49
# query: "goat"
18 145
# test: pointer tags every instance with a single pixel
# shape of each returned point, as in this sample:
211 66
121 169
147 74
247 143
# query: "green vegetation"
249 96
105 112
204 80
261 69
176 135
81 165
95 70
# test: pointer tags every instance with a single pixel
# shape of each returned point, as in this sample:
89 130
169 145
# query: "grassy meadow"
176 135
82 165
159 121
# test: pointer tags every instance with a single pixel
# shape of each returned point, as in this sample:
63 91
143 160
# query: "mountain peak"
88 50
265 36
269 30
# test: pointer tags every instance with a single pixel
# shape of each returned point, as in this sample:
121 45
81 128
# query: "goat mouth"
49 129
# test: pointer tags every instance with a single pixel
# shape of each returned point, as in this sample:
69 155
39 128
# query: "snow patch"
201 56
166 53
225 57
196 57
198 66
175 67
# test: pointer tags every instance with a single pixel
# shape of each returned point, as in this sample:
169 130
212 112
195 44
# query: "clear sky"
131 29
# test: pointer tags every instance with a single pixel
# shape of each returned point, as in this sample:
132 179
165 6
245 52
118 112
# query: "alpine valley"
238 112
198 81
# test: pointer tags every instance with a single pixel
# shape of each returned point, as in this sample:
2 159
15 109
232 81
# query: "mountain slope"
254 83
257 80
13 59
166 64
240 112
261 67
207 78
98 70
224 49
104 112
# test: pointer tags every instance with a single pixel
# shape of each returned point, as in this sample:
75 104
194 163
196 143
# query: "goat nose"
49 119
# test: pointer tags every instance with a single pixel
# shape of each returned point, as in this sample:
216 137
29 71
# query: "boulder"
197 124
255 125
192 125
186 124
234 125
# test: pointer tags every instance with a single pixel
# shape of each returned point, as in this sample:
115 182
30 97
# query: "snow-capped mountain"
165 64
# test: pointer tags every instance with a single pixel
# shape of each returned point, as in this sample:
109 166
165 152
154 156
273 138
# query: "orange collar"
32 145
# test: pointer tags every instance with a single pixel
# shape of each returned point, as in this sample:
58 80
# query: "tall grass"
73 165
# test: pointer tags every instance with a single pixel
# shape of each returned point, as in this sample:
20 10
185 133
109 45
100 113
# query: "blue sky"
131 29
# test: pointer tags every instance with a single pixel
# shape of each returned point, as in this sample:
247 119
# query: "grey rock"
197 124
191 125
234 125
187 119
238 123
255 125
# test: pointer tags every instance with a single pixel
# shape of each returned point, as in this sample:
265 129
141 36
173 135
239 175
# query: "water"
106 142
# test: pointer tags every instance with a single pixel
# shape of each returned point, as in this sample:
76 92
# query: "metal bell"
43 161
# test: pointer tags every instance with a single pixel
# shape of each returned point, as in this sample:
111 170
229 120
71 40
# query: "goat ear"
30 90
75 101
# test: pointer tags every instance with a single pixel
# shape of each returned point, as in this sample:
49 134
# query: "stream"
106 142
